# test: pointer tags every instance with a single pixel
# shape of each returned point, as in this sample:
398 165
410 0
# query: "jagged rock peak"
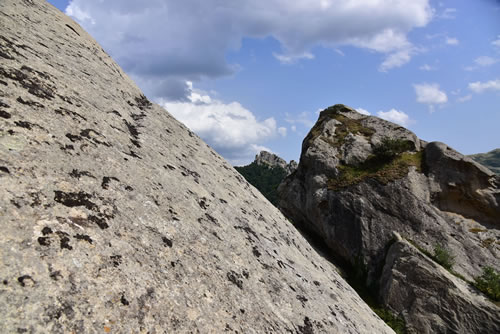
265 158
116 218
362 178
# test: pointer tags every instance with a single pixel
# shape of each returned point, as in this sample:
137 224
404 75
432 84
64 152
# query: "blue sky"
247 75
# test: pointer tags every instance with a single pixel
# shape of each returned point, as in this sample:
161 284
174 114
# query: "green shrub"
489 283
444 257
390 148
398 324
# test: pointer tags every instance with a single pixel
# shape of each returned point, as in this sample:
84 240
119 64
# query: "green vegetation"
398 324
390 148
444 257
379 169
348 125
264 178
477 230
489 283
490 160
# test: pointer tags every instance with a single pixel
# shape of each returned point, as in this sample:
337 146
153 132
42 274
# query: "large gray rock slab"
116 218
440 198
430 298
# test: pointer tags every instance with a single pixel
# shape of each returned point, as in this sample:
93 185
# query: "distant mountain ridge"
490 159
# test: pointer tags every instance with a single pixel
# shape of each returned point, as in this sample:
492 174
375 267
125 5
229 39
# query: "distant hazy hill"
490 159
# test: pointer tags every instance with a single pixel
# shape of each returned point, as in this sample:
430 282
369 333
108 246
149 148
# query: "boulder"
361 178
116 218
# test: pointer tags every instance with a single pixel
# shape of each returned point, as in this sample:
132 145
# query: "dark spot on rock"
73 29
316 283
142 102
84 238
167 242
124 301
23 124
22 330
307 328
242 311
203 204
116 259
129 188
1 81
249 232
46 230
77 174
4 169
23 280
256 252
302 299
73 138
245 274
115 112
106 180
4 105
73 199
55 275
235 278
67 147
64 240
5 114
29 102
44 241
100 220
133 154
74 115
169 167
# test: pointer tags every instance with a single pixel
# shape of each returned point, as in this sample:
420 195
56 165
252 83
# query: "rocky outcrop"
360 178
116 218
268 159
450 306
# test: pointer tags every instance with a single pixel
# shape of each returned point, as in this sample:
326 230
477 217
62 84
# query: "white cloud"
396 59
479 87
163 40
427 67
282 131
294 128
292 59
430 94
485 61
482 61
448 13
464 98
229 128
363 111
496 43
452 41
396 116
303 118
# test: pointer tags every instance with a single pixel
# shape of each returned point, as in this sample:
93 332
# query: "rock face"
450 306
361 178
265 158
116 218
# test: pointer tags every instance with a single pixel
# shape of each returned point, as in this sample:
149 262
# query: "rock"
430 298
116 218
361 178
265 158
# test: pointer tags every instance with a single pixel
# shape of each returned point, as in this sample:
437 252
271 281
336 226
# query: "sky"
251 75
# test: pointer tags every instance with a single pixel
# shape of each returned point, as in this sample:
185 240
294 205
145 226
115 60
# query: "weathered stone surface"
265 158
116 218
430 298
354 200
